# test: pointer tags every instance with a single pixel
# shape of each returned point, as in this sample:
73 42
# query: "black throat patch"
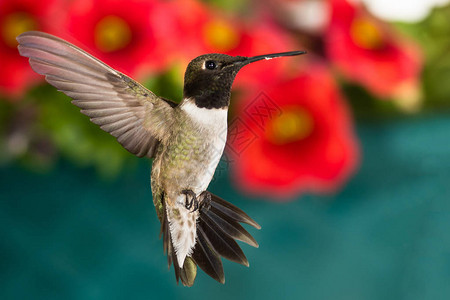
208 94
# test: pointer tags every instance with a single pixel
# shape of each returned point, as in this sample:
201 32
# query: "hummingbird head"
209 77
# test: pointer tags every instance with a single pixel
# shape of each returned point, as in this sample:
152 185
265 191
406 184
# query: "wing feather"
114 101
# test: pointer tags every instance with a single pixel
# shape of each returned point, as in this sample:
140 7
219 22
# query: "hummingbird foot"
193 202
203 201
206 201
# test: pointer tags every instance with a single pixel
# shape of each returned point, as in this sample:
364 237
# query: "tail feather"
232 211
176 267
222 243
188 272
231 227
206 258
217 229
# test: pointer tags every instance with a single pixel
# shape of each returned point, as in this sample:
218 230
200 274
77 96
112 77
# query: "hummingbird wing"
119 105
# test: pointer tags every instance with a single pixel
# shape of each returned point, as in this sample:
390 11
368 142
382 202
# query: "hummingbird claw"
202 202
193 202
206 201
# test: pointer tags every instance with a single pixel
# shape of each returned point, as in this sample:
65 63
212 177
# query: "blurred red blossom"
295 136
128 35
369 51
263 38
16 17
202 29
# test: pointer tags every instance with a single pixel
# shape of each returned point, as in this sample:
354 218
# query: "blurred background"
342 155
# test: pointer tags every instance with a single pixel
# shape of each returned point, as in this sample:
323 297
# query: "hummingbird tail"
218 229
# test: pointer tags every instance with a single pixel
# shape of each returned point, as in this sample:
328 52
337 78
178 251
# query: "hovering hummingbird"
185 140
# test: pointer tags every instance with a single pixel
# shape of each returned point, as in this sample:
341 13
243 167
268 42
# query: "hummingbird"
185 140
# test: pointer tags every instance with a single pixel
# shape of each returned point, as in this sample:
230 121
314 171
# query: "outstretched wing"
118 104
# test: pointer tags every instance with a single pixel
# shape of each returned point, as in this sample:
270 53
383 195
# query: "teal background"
67 234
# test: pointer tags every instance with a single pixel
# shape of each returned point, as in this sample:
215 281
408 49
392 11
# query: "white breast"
215 118
213 124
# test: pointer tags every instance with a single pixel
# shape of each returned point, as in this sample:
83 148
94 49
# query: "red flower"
15 18
296 136
262 38
201 29
128 35
369 52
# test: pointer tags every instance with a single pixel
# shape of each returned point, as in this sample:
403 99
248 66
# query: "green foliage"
433 34
62 125
168 85
366 107
230 5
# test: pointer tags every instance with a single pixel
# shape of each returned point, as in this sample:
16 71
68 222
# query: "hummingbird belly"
191 155
190 161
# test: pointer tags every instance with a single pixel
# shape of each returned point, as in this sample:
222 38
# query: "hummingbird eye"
210 65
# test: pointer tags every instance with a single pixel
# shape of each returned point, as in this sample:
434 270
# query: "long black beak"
273 55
